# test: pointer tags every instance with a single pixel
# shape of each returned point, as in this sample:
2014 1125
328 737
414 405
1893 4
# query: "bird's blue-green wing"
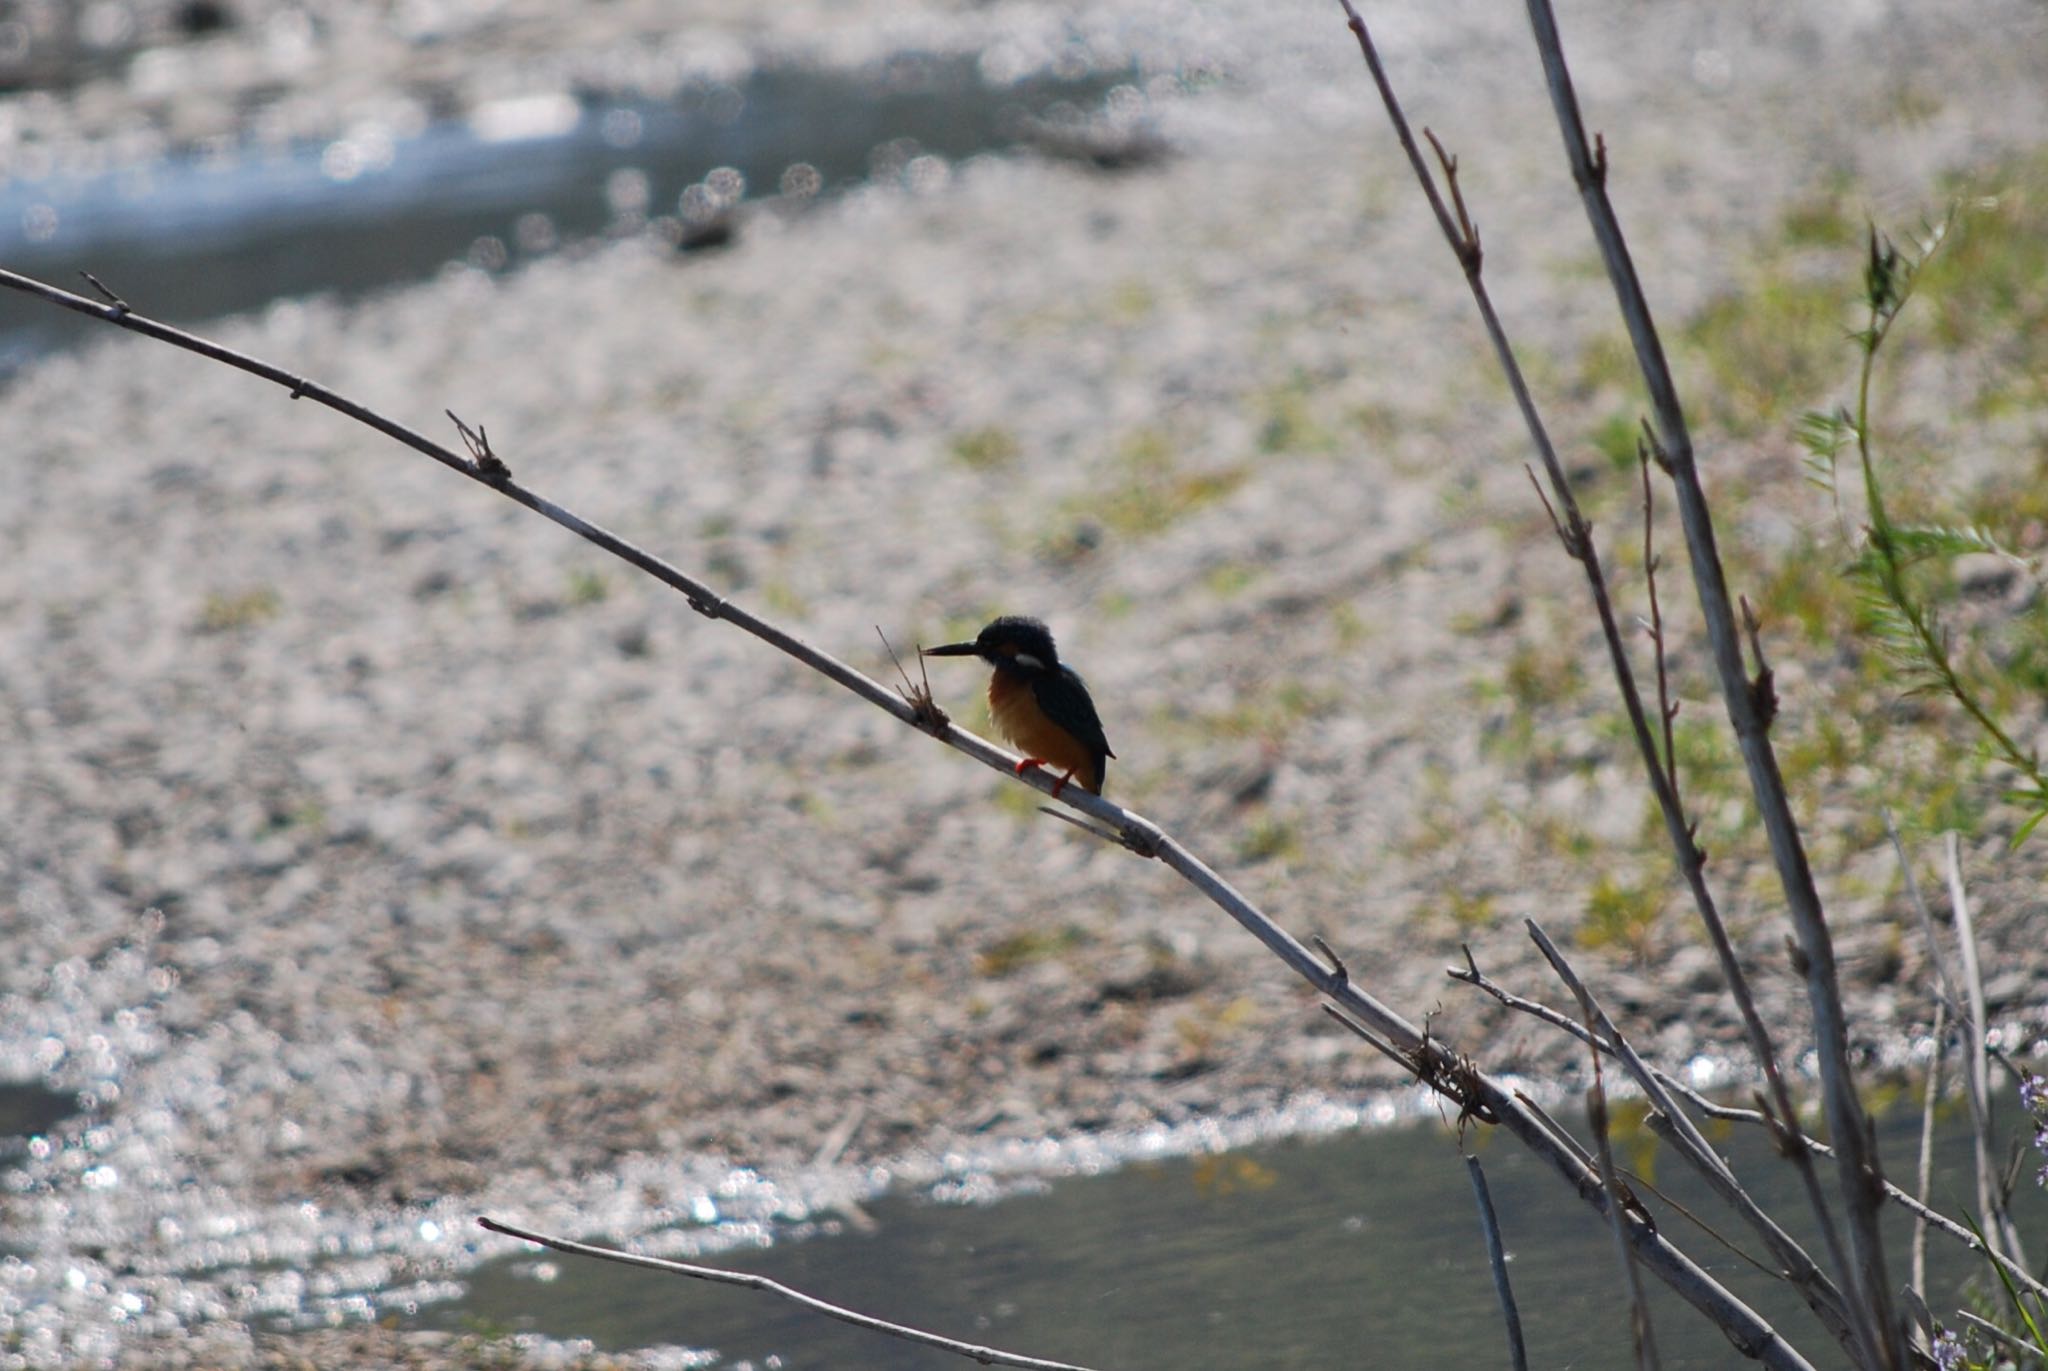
1066 701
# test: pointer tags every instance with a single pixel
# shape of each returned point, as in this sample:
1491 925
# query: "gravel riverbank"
476 861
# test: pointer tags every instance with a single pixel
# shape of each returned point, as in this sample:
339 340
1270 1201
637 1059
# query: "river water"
1303 1252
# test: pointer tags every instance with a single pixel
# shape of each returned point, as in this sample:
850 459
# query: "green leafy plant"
1901 611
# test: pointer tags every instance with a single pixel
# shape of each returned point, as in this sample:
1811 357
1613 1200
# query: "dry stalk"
1497 1262
1916 1205
1795 1265
1992 1194
1923 1176
1641 1335
1590 170
987 1356
1860 1174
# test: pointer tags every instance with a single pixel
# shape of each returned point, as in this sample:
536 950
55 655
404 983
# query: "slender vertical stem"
1497 1261
1577 539
1999 1230
1641 1336
1861 1176
1924 1173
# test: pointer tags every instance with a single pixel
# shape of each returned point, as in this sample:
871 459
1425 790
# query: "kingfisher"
1039 702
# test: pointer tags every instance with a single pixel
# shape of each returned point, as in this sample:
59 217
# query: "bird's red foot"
1057 786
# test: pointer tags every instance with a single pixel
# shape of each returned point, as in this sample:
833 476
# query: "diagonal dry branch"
1922 1212
1602 1035
987 1356
1454 1077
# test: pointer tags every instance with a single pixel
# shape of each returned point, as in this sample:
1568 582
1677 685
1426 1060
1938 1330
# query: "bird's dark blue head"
1013 642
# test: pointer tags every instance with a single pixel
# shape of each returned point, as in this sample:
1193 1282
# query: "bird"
1038 702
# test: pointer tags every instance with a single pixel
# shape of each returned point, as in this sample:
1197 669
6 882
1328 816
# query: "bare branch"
1918 1207
1798 1268
1475 1093
482 465
1497 1261
1691 860
987 1356
1640 1331
1999 1229
1923 1180
1573 532
1667 711
1473 976
1860 1174
1337 967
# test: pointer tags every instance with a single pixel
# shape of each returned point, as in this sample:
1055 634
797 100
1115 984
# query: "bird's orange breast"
1017 717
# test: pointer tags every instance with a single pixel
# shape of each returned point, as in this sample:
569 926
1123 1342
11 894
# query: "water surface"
1358 1249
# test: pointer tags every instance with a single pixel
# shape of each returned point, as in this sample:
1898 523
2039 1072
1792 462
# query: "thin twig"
1918 1207
987 1356
1092 830
829 1152
1923 1180
1660 1124
1943 995
116 301
1991 1330
1570 1142
1337 967
925 711
1667 711
1945 988
1370 1038
1497 1260
1860 1174
1571 545
1999 1229
1821 1294
1642 1336
1468 232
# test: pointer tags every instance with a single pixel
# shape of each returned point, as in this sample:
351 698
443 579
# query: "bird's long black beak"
952 650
